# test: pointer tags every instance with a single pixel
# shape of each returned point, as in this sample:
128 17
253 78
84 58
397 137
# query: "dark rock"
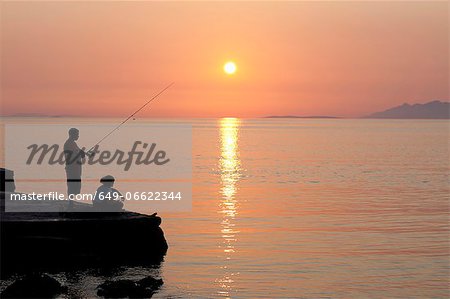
125 288
78 235
34 286
150 283
117 289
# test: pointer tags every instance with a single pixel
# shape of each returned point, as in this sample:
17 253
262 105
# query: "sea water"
306 208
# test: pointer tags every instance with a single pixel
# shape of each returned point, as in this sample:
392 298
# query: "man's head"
108 180
74 134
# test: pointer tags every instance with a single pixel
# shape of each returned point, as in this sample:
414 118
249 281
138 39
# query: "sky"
106 59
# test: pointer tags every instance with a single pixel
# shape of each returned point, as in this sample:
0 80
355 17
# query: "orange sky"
302 58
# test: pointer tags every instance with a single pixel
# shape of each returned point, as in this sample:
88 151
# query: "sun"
230 67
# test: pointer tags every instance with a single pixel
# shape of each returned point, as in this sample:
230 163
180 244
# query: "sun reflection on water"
230 167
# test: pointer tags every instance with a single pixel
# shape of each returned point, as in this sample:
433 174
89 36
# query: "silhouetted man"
74 158
108 199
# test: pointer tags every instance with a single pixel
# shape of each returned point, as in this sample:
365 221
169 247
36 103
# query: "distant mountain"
431 110
294 116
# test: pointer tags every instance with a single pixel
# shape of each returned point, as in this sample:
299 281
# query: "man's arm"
120 196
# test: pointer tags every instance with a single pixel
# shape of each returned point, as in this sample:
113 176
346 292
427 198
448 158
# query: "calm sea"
306 208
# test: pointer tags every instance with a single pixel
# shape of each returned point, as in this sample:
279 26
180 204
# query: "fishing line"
133 114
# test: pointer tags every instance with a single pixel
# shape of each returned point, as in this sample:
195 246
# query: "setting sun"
230 67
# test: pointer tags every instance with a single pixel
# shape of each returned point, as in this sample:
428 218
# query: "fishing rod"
133 114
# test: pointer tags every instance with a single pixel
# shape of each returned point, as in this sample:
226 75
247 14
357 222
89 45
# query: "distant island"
293 116
38 115
430 110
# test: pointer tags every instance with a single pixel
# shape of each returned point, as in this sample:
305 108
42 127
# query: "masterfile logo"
150 162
